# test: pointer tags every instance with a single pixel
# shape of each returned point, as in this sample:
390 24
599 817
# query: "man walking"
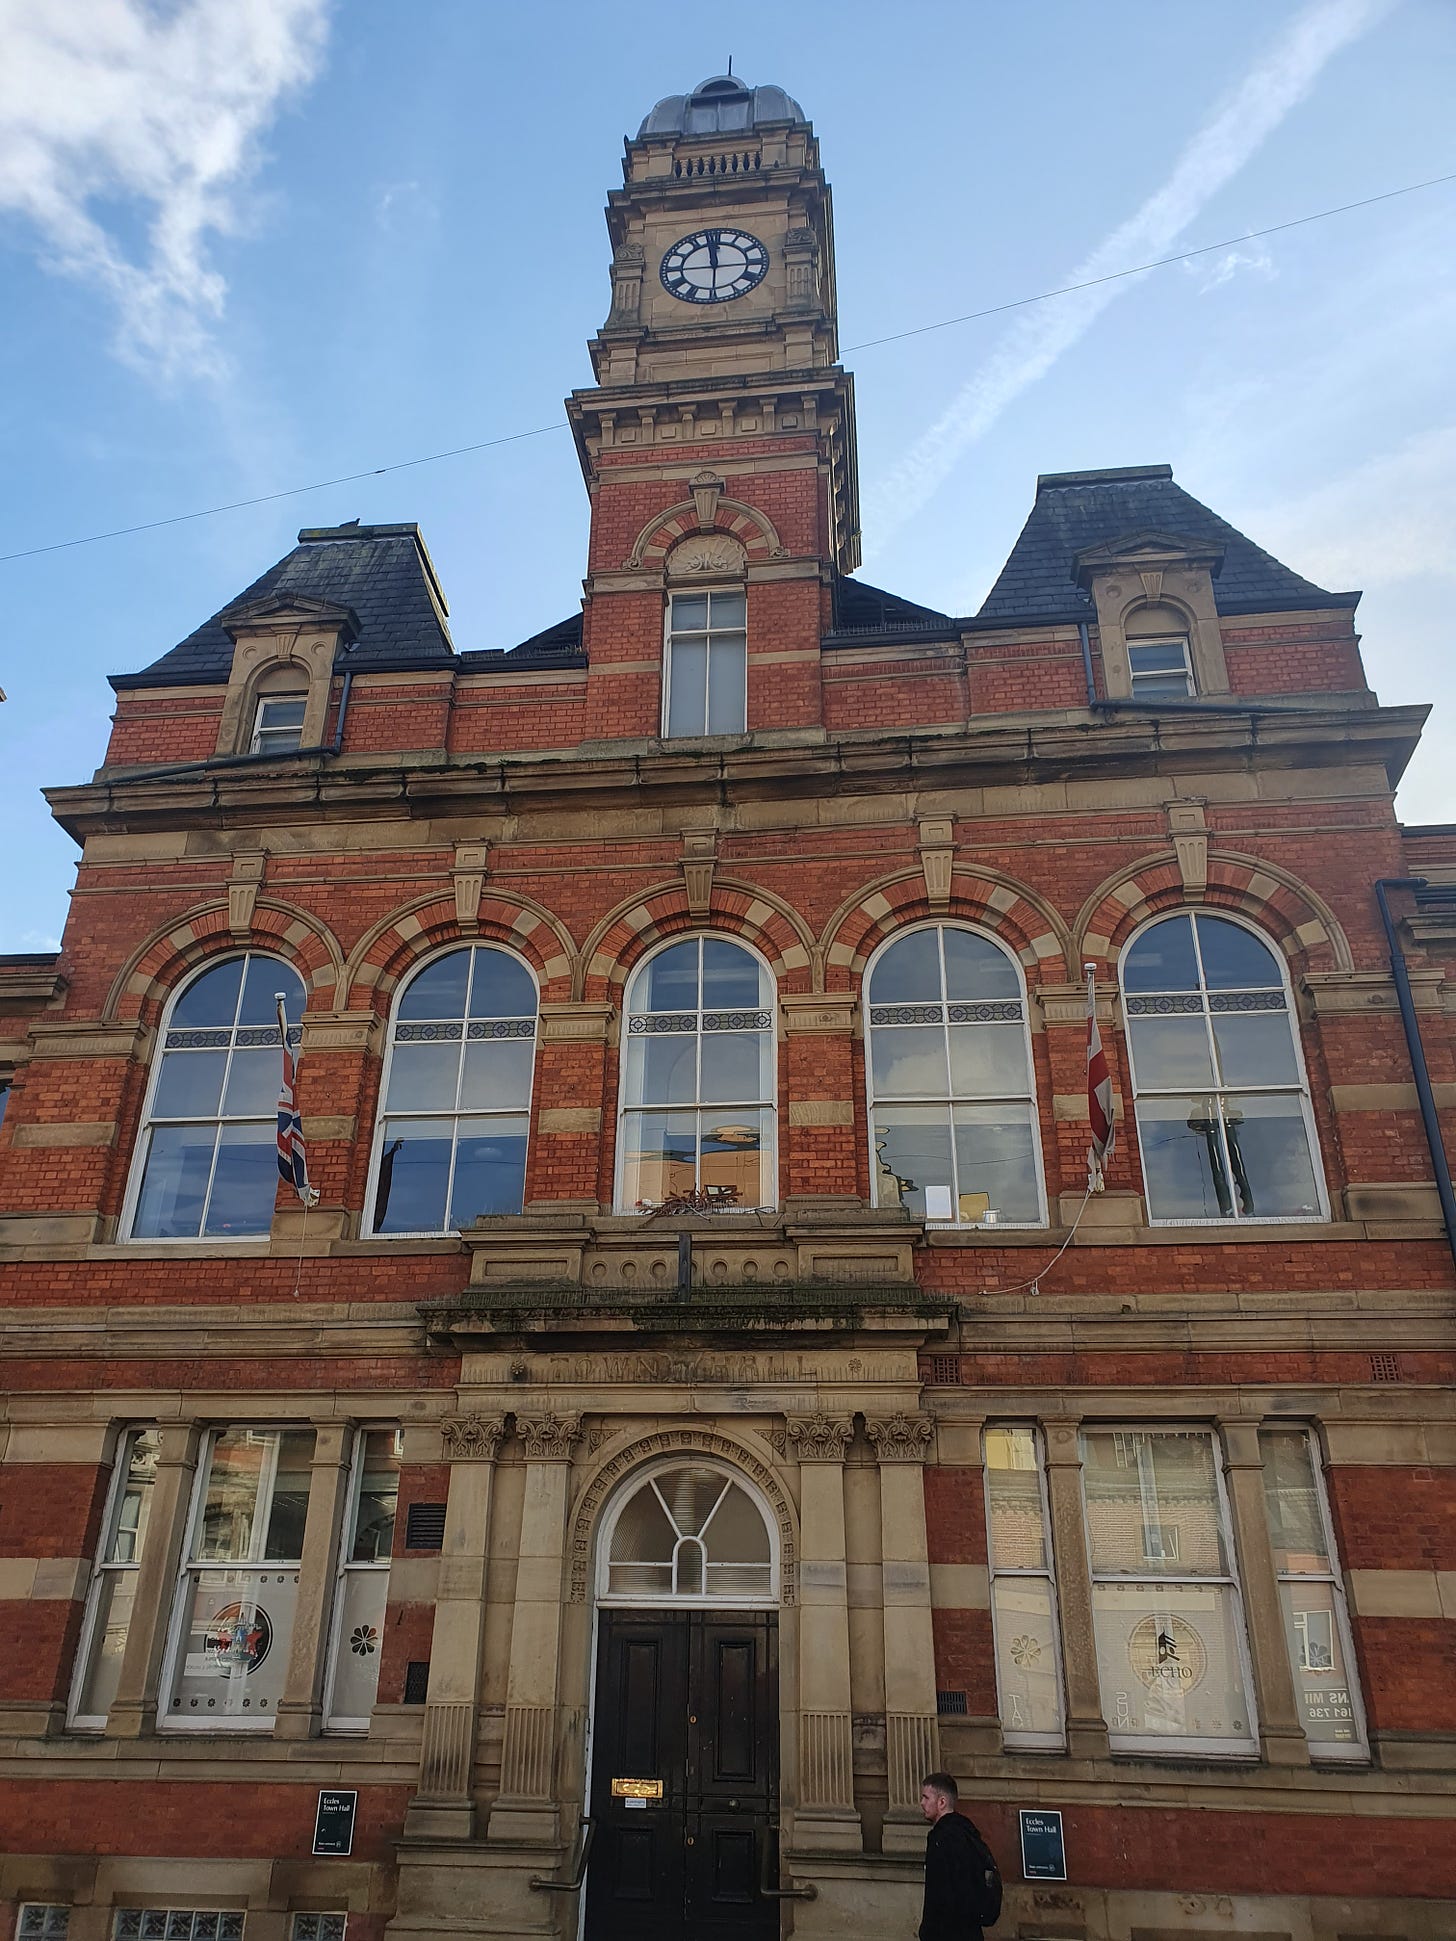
962 1885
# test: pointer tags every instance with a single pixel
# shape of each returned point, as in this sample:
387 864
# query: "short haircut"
942 1783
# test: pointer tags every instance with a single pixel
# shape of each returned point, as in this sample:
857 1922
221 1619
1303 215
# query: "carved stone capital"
820 1438
900 1438
472 1438
549 1438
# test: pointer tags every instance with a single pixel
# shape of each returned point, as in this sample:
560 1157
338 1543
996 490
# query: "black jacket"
951 1864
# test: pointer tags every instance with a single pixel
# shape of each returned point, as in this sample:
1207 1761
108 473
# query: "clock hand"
713 260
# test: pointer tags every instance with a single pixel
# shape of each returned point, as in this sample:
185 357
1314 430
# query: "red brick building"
703 1394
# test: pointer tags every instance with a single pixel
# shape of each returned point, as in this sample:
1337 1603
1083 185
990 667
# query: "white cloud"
1211 273
114 110
1281 77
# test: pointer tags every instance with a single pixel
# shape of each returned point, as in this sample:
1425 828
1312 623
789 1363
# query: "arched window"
690 1532
451 1142
697 1079
953 1131
1222 1105
207 1165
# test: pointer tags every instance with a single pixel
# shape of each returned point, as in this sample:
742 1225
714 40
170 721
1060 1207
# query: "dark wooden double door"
688 1698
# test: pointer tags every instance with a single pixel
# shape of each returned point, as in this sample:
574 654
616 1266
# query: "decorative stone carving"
937 853
707 489
716 554
1188 827
243 890
472 1438
469 877
549 1438
820 1438
900 1438
700 849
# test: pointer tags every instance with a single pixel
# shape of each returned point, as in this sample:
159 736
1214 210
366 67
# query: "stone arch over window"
952 1110
454 1115
145 982
706 512
697 1109
731 908
687 1529
391 949
1264 894
205 1165
618 1466
1014 914
1220 1094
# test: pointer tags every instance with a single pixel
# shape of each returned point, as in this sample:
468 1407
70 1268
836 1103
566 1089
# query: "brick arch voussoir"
1288 912
384 958
1010 912
168 956
626 935
753 529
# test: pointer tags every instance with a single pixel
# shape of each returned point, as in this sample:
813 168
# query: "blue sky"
246 244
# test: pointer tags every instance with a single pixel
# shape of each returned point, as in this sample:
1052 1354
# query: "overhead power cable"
868 343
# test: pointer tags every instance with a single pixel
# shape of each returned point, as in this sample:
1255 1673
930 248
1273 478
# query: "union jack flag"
1099 1095
292 1159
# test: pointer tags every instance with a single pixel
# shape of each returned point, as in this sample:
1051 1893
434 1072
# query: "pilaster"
826 1816
1086 1726
527 1809
444 1806
300 1707
134 1707
1281 1731
912 1748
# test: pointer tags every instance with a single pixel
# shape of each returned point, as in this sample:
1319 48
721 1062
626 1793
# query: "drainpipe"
343 708
1417 1050
1086 639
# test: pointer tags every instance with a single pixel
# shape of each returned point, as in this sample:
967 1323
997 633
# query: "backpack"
985 1882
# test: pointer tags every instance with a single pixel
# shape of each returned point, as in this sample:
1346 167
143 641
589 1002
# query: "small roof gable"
380 576
1079 513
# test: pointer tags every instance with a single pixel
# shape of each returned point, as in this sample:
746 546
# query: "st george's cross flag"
1099 1095
292 1159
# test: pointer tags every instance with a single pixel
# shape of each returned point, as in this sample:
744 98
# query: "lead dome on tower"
721 105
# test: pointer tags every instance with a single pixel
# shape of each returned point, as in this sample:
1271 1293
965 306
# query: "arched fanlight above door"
688 1533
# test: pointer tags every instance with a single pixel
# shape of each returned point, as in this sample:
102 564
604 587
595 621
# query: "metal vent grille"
951 1705
424 1526
416 1681
945 1368
1385 1368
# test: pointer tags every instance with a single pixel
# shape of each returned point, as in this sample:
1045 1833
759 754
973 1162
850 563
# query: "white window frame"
769 1154
457 1113
705 634
1180 641
146 1123
1358 1750
1011 1736
643 1478
1170 1745
336 1640
950 1101
104 1567
177 1625
262 739
1300 1089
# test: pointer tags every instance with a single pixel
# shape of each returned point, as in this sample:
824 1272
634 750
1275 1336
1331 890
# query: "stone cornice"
1018 750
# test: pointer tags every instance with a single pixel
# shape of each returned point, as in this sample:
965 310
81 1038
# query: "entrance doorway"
686 1702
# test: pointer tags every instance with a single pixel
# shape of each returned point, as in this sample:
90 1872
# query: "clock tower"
718 442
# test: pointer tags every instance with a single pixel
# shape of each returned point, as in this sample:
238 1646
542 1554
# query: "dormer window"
1161 668
278 724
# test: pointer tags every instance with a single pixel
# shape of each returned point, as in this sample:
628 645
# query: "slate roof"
1075 510
382 573
861 609
558 646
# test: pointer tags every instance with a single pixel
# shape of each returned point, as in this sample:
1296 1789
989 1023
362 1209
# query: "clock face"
714 265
